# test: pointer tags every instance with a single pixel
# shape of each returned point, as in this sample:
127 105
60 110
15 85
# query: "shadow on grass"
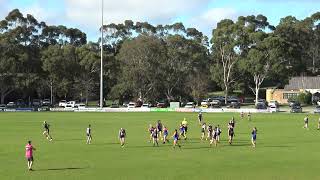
61 169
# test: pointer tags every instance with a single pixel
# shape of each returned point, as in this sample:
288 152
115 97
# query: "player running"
185 126
203 131
159 128
200 117
241 115
46 131
249 116
122 136
176 139
182 131
254 137
214 138
230 133
165 135
88 132
209 132
29 155
150 130
218 133
155 136
306 122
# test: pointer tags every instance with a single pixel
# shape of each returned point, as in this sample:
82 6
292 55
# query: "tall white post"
101 68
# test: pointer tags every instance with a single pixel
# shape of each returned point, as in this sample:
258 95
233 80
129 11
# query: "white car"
274 109
131 105
63 103
190 105
70 104
145 105
273 103
80 106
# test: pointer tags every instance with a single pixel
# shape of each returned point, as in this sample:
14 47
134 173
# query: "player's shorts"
254 138
160 129
88 135
122 136
30 158
202 130
175 138
186 129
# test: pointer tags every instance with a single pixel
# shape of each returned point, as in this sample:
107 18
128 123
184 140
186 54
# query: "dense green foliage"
149 62
284 149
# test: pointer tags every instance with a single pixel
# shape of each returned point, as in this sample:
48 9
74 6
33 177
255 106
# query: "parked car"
317 109
274 108
318 103
11 105
80 105
291 103
114 105
205 103
161 105
261 105
71 104
296 108
2 107
215 103
131 105
46 102
273 103
62 103
190 105
36 102
145 105
20 103
261 101
234 104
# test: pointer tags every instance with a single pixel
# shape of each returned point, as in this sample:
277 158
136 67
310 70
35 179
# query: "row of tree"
149 62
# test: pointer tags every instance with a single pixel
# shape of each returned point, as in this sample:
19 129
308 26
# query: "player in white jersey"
88 132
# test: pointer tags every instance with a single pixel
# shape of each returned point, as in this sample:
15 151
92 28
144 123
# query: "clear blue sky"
202 14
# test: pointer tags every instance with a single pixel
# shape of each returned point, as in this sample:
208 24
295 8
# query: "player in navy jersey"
122 136
254 137
165 135
155 136
176 139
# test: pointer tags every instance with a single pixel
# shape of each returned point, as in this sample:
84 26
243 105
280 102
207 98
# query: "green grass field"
284 149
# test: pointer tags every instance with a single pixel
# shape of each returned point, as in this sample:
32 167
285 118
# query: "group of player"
213 134
157 133
160 132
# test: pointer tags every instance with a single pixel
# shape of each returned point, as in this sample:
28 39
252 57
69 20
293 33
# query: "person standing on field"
89 137
29 155
122 136
46 131
254 137
306 122
319 123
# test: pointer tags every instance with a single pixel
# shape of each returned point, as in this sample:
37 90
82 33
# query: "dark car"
296 108
20 103
291 103
36 102
114 105
234 104
317 109
261 105
2 107
46 102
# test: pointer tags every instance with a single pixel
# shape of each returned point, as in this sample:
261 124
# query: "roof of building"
303 83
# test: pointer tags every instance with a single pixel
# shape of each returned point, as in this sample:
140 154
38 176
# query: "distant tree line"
168 62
